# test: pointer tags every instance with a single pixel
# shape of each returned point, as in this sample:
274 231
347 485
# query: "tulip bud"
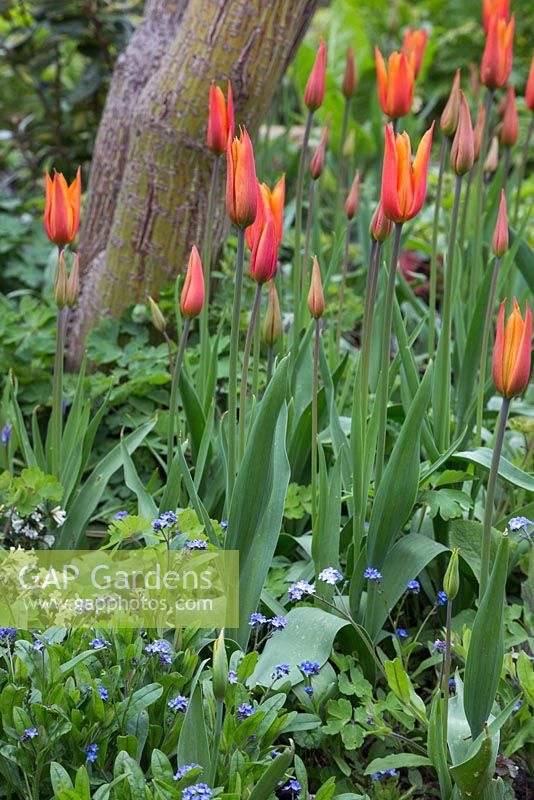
220 667
241 183
73 282
62 208
449 117
500 235
192 297
316 295
497 58
479 129
510 123
351 203
60 283
490 8
492 159
264 257
381 226
272 325
451 581
529 91
158 320
348 86
414 47
220 119
317 162
463 145
511 353
315 87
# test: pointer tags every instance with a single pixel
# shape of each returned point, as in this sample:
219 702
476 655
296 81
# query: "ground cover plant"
336 385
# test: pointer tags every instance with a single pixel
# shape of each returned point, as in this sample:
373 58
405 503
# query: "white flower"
59 515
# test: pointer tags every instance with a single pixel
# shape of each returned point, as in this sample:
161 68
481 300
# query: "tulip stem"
434 254
506 169
484 351
256 352
382 397
56 419
232 368
298 231
367 328
206 263
490 497
174 393
315 389
465 215
341 161
343 285
447 672
244 373
476 266
309 222
522 167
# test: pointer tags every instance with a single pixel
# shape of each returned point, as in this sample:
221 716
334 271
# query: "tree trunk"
151 171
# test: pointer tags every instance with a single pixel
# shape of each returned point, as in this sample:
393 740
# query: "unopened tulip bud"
510 123
60 283
463 145
220 668
264 256
241 183
73 282
272 325
500 235
497 58
318 160
451 581
479 129
492 159
353 197
381 226
348 86
414 47
158 320
449 117
192 297
220 119
529 91
490 8
511 354
395 84
315 88
316 295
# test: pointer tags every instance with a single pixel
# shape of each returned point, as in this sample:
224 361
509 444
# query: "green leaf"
193 745
401 686
466 535
325 541
127 767
525 675
139 700
448 503
146 505
273 774
397 761
507 470
59 778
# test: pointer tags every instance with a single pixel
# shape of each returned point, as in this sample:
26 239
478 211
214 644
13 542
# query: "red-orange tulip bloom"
264 257
62 208
529 91
316 294
348 87
463 145
241 184
395 85
404 184
510 122
492 8
380 225
319 157
275 201
220 120
500 235
192 297
353 197
497 58
414 48
449 117
315 88
511 354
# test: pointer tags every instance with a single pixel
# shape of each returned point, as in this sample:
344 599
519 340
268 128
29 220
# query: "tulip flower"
62 208
396 84
495 8
192 297
318 160
315 87
500 235
264 256
348 87
511 353
479 129
316 295
414 48
463 146
220 120
73 282
449 117
272 325
60 282
241 184
497 58
381 226
510 123
158 320
529 91
492 159
351 203
274 201
404 184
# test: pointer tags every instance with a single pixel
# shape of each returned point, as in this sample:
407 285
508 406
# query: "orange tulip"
241 184
414 48
275 201
529 91
500 235
317 162
192 297
463 145
498 8
380 225
62 208
497 58
264 257
449 117
316 295
510 123
511 354
348 87
353 197
404 184
220 120
395 85
316 85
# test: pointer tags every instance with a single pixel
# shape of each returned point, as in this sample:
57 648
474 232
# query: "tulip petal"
520 373
420 171
389 197
498 350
